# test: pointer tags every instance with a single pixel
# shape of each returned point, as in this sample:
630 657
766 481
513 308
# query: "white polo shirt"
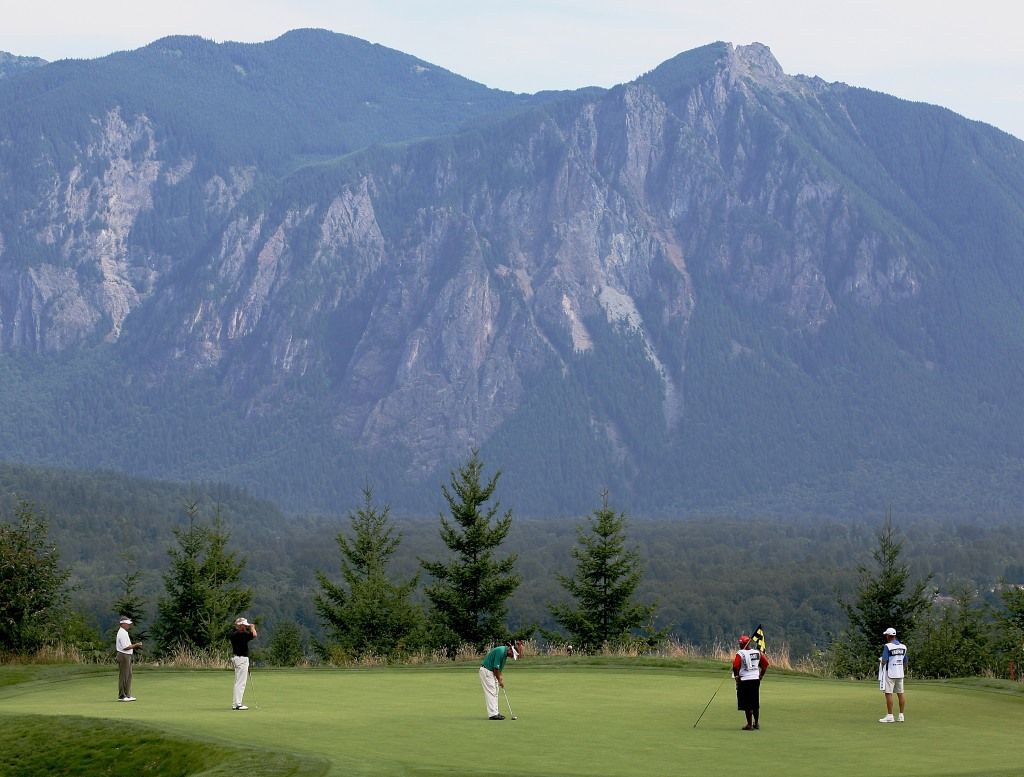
124 642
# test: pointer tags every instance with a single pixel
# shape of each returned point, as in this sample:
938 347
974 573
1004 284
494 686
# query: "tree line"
366 612
369 607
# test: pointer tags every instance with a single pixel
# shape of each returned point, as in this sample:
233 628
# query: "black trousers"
748 695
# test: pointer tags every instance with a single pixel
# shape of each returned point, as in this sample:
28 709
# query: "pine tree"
130 602
955 639
287 645
203 594
33 586
470 591
368 614
1009 643
885 597
607 576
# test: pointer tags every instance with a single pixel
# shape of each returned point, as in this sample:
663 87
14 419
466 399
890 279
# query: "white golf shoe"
887 719
900 719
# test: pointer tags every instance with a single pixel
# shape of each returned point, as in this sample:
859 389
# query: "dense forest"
708 577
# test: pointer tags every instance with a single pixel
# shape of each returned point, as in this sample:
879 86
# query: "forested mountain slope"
697 571
717 287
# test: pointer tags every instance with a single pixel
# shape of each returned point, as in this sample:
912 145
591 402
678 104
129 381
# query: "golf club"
248 682
508 704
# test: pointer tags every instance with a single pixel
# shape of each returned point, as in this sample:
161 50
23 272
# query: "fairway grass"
40 745
619 720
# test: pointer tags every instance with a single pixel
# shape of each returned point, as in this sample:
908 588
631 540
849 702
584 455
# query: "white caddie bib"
897 659
750 664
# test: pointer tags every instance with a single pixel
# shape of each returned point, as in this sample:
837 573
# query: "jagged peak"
758 62
753 62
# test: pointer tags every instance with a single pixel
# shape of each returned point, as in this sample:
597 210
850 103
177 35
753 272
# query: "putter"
507 704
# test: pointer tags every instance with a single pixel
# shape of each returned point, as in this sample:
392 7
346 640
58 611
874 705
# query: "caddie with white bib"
892 668
748 667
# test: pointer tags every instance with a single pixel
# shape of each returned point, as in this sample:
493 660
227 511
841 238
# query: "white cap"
890 632
126 619
244 622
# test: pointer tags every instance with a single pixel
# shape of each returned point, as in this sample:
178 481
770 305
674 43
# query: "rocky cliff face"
604 210
422 291
90 282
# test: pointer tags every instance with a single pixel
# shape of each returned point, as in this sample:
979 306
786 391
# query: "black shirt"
240 642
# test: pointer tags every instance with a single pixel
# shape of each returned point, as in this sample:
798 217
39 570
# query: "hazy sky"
968 57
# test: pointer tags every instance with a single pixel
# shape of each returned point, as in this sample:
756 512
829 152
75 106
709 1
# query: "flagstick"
709 701
759 641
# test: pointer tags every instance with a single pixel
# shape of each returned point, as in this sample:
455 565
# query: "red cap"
744 639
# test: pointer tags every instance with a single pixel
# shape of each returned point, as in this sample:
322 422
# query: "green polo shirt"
496 658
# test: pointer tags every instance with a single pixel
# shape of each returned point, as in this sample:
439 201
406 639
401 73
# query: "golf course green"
618 718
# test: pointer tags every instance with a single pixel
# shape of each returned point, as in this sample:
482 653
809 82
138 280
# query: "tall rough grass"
189 658
185 658
59 653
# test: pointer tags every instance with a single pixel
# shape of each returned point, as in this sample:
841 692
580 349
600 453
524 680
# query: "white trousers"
490 685
241 664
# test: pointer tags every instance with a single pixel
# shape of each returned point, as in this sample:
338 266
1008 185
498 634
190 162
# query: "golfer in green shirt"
490 674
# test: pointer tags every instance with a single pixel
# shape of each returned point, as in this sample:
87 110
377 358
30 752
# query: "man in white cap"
491 674
243 634
892 666
125 649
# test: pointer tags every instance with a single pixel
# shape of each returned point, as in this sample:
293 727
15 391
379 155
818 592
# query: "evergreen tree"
130 601
368 614
470 591
33 586
203 594
1010 639
885 597
607 576
287 646
955 639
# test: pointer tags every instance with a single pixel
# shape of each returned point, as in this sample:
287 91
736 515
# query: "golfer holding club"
490 674
892 666
243 634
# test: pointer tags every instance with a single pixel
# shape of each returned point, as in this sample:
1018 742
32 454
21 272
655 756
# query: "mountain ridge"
12 64
648 288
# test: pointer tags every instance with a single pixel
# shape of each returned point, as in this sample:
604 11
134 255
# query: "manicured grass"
39 745
620 718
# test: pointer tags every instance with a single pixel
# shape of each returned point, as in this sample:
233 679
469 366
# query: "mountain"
304 265
11 65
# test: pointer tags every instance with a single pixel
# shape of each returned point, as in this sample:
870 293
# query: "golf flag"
757 637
